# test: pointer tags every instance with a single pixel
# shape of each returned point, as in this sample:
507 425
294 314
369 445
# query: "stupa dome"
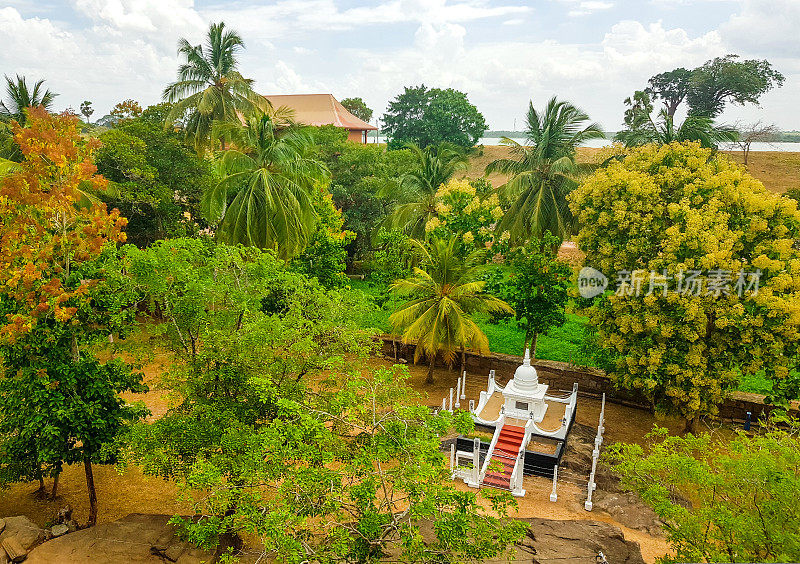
525 378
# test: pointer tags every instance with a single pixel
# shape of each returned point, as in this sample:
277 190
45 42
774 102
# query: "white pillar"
450 403
452 459
463 385
444 404
553 494
458 392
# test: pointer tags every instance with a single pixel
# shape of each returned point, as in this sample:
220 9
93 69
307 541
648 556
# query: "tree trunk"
463 359
533 344
54 492
87 466
429 379
692 424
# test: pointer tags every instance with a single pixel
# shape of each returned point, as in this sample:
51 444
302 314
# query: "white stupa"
524 395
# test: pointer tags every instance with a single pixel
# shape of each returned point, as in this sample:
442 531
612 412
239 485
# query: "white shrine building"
529 426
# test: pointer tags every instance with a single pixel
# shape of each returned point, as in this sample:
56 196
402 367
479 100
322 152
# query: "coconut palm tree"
20 97
416 191
268 175
543 171
444 291
694 128
209 86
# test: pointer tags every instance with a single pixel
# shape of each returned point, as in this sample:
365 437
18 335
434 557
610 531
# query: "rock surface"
24 530
550 540
610 496
128 540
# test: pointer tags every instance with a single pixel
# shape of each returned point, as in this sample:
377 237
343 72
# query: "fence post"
452 459
464 385
444 404
553 494
450 403
458 392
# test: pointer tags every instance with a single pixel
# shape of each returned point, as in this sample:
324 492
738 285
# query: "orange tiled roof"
319 109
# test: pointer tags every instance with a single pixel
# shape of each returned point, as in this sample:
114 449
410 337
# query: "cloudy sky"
503 53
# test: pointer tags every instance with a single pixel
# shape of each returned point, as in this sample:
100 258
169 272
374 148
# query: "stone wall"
591 381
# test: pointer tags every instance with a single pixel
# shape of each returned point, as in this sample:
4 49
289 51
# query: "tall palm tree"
444 291
20 96
416 192
269 173
694 128
543 171
209 86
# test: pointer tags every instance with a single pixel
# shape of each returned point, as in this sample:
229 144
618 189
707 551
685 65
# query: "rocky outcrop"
549 540
19 535
137 538
625 507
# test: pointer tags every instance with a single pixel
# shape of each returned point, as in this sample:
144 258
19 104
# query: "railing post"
464 385
450 403
476 461
553 494
444 404
458 392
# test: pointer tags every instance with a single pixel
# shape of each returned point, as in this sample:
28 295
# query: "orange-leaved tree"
58 403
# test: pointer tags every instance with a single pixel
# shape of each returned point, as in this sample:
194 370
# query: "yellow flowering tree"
705 273
461 210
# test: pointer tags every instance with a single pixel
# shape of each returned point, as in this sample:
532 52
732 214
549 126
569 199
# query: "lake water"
597 143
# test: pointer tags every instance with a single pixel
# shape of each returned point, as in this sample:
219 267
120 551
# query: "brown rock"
14 549
127 540
24 530
175 551
549 540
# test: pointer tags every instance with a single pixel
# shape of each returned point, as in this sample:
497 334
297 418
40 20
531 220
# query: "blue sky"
503 53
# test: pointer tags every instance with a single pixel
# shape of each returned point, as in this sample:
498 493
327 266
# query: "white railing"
517 475
598 440
499 427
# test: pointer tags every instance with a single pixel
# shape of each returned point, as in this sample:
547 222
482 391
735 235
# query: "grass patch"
562 343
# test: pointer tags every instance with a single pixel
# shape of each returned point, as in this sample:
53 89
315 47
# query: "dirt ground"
129 491
778 170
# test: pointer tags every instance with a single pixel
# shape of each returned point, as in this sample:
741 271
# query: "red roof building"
323 109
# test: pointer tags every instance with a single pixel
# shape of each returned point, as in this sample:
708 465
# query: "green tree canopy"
671 87
157 179
415 194
432 116
537 288
708 88
358 108
643 130
443 292
20 96
209 86
265 197
728 79
720 501
543 171
707 270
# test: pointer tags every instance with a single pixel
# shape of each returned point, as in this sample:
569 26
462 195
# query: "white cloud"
128 50
766 27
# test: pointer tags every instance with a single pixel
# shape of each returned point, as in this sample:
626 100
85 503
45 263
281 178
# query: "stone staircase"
504 456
